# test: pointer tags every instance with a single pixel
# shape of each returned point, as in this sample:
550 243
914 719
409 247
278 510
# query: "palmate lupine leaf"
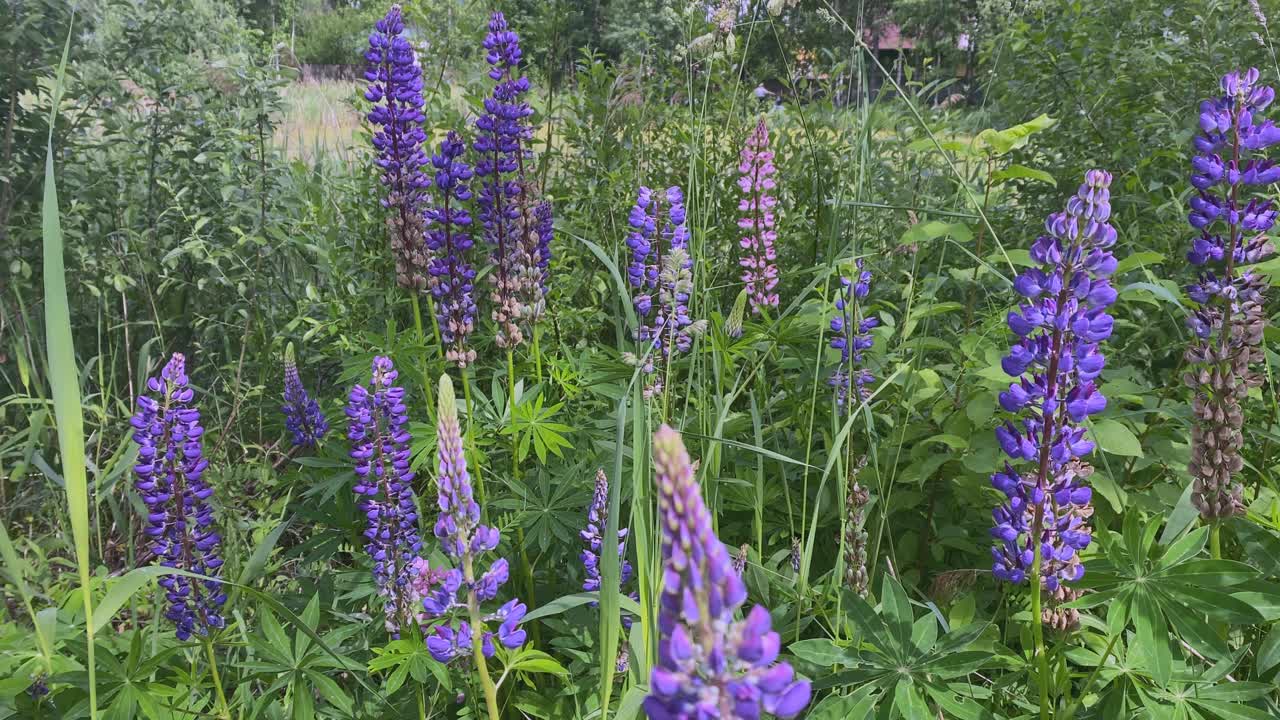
902 657
1163 590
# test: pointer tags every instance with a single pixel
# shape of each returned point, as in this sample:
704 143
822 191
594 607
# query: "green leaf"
1152 636
1231 711
64 377
121 589
1022 172
536 661
897 612
1138 259
1184 549
1116 439
934 229
1002 141
1180 518
856 706
822 652
331 691
1260 544
908 701
1269 651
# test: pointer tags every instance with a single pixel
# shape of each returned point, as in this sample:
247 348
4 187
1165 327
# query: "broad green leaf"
1021 172
1138 259
857 706
822 652
934 229
1115 438
1152 636
1230 710
897 614
1002 141
908 701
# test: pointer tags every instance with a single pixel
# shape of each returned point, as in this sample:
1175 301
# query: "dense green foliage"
188 228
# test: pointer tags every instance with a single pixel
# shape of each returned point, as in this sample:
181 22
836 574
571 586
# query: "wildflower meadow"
668 359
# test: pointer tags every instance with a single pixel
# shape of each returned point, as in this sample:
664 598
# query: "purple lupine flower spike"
1229 322
465 540
593 536
302 415
395 89
851 335
1056 362
760 270
546 235
661 273
709 665
502 136
377 421
169 475
449 238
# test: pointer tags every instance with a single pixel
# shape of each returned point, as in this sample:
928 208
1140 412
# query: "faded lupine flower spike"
465 540
760 270
169 475
449 238
377 421
855 536
709 665
851 335
395 89
502 136
302 415
1056 362
1229 321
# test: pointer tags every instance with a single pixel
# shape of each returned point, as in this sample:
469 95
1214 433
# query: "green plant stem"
537 352
223 711
1070 712
477 647
1037 631
526 568
422 705
470 438
428 387
1215 541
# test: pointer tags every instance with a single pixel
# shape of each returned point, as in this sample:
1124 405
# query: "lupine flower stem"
223 711
428 389
471 444
1037 627
477 645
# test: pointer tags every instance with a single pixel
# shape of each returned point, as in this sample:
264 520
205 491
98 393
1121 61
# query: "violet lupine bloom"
852 336
760 272
593 536
546 233
465 540
1056 361
449 238
376 426
395 89
661 273
709 665
502 134
1229 321
302 415
169 475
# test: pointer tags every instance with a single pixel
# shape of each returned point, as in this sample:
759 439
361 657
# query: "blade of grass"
63 377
